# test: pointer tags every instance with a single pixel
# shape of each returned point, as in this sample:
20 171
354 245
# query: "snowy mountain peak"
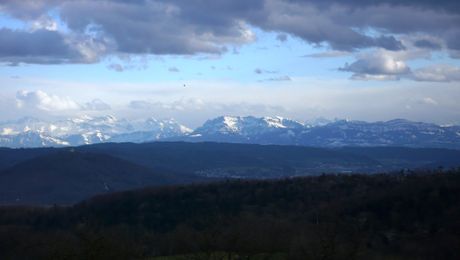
280 122
222 124
276 122
246 126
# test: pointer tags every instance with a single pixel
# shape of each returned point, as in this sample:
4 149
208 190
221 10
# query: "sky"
197 59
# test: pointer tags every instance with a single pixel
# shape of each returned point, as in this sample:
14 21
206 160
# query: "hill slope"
65 177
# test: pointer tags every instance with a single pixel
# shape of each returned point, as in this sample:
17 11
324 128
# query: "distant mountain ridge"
30 132
277 130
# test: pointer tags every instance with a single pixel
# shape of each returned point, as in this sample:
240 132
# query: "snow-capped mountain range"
30 132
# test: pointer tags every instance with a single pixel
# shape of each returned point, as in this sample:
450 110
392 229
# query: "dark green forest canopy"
385 216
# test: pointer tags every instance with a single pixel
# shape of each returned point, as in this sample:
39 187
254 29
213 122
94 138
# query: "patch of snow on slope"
231 123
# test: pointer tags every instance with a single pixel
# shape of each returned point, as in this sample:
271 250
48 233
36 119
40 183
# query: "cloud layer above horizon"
83 31
100 27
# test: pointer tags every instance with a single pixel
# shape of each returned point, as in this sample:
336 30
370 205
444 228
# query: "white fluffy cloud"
44 101
379 65
40 100
392 65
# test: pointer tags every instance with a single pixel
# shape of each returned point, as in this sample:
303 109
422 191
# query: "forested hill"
397 216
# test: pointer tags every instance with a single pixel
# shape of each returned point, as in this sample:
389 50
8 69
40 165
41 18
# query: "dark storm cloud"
389 43
342 24
453 40
210 26
40 46
162 27
445 5
26 9
427 44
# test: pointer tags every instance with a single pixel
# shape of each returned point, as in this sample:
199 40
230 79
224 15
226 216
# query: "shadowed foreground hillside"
390 216
66 177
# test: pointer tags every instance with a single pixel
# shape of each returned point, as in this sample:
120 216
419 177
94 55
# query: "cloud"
40 46
454 54
429 101
141 104
328 54
317 24
44 22
427 44
96 105
173 69
126 62
282 37
43 46
262 71
197 105
43 101
421 102
280 78
379 77
437 73
161 27
116 67
27 9
178 105
389 65
102 27
377 66
388 43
